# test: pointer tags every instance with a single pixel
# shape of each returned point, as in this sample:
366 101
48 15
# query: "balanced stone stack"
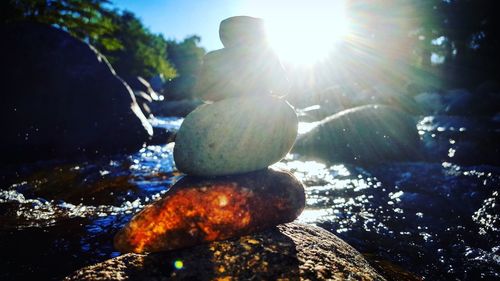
225 148
229 192
247 127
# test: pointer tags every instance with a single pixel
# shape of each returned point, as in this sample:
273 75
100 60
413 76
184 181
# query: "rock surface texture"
364 135
60 98
242 31
287 252
197 210
235 135
241 71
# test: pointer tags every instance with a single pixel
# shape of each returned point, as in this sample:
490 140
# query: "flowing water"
436 220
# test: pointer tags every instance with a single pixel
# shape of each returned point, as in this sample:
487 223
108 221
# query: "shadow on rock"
291 252
62 98
363 135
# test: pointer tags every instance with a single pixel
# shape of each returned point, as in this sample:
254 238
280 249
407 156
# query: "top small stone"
242 31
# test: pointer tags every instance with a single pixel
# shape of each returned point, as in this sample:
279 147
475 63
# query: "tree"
141 53
470 30
187 57
130 47
440 43
87 20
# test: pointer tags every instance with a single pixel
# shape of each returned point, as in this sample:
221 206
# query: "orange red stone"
197 210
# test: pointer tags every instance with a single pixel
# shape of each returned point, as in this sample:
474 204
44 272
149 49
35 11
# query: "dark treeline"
130 47
466 35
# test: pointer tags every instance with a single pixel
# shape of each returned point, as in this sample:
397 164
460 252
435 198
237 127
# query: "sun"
305 32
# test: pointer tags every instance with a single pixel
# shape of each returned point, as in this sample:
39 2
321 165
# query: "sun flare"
304 32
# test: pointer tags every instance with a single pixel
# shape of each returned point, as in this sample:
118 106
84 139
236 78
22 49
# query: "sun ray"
303 32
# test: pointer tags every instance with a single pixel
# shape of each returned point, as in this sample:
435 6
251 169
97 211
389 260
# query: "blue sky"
181 18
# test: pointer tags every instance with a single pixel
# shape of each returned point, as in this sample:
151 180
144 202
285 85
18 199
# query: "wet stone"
199 210
287 252
363 135
488 216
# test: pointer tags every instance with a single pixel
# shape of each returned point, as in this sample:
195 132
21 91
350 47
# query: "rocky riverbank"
291 251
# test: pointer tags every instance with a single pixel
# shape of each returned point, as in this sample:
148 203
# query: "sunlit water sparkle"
437 219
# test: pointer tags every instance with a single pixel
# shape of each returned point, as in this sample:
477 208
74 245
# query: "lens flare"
178 264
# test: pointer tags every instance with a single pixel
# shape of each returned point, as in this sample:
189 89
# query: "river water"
436 220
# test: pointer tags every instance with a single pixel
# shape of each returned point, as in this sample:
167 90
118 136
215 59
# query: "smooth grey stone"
235 135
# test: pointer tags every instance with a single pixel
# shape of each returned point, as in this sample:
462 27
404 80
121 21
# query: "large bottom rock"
291 252
197 210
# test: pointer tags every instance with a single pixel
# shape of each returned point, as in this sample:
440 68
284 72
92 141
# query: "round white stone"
235 135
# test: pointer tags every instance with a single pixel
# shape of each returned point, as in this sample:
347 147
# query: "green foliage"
187 57
130 47
470 29
142 53
86 20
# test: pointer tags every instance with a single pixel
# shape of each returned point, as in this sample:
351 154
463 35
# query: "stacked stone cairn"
225 148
